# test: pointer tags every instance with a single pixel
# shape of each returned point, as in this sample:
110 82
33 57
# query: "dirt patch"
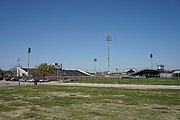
49 113
114 101
4 102
128 86
65 94
33 98
16 113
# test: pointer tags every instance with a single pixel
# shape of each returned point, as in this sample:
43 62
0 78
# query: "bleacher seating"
74 73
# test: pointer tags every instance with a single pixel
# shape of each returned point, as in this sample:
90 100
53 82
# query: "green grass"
79 103
144 81
5 108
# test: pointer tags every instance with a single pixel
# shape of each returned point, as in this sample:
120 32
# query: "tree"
43 70
1 74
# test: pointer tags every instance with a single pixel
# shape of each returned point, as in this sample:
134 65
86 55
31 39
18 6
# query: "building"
146 73
176 73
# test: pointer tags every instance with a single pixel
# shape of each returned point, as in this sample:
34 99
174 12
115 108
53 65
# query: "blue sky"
72 32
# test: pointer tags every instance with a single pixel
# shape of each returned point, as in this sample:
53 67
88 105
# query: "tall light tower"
18 65
57 66
29 51
108 38
95 60
151 56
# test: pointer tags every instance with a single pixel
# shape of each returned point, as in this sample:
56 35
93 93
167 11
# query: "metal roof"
176 72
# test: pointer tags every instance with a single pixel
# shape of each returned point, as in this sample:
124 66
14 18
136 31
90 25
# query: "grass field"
80 103
144 81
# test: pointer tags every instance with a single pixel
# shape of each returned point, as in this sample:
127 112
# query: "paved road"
127 86
11 83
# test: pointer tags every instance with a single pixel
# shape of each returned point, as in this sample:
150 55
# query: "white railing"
84 72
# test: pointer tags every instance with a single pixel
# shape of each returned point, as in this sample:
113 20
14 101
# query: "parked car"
8 79
46 80
22 80
30 80
14 79
67 80
43 80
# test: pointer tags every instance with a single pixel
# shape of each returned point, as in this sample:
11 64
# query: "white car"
30 80
22 80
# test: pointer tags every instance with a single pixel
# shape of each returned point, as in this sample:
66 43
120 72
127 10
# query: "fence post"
178 78
129 80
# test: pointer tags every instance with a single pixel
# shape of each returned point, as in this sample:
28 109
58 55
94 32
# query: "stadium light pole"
95 60
108 38
56 65
29 51
18 67
151 56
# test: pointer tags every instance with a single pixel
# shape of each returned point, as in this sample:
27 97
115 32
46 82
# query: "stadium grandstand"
61 72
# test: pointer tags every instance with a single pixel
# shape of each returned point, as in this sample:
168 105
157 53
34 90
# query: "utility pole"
108 38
